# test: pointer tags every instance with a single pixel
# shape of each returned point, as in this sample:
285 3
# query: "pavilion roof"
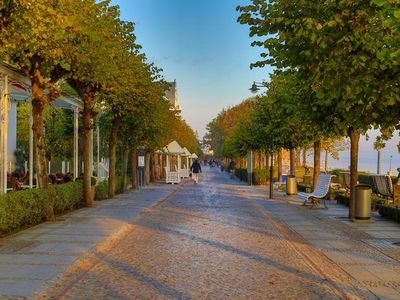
20 89
187 152
174 148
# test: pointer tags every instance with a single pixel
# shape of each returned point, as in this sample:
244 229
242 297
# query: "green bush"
31 207
66 197
390 212
305 188
102 188
101 191
260 176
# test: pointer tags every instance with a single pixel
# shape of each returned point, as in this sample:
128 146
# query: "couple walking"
195 169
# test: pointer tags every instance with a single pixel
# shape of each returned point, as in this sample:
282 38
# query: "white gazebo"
174 153
15 88
185 167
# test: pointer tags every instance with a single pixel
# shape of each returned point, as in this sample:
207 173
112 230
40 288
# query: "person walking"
195 169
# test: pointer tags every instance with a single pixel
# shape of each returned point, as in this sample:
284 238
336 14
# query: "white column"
168 165
4 133
76 157
63 167
30 146
12 134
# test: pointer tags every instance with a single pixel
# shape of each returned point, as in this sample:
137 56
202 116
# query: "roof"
187 152
20 89
174 148
194 155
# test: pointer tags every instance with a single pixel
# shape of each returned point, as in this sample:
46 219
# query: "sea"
368 156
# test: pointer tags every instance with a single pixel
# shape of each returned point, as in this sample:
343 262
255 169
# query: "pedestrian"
196 169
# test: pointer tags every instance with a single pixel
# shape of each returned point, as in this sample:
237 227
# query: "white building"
172 96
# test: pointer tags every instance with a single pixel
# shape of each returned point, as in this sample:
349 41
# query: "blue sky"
200 44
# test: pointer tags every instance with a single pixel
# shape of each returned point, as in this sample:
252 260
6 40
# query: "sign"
141 161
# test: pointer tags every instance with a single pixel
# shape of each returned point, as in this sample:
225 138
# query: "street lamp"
255 88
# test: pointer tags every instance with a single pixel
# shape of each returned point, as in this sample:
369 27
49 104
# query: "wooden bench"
320 192
382 186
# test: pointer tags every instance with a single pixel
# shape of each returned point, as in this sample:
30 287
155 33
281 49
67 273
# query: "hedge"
30 207
260 176
390 212
102 188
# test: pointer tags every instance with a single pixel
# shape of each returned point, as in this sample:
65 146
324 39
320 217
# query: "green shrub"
260 176
102 188
67 197
101 191
31 207
390 212
305 188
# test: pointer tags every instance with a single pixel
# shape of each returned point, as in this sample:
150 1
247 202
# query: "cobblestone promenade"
220 240
216 240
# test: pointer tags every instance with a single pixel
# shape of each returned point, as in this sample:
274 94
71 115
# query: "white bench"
320 192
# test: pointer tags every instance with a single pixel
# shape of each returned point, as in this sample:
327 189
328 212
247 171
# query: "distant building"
172 96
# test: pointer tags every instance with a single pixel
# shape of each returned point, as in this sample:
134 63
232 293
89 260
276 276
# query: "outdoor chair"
320 192
382 186
346 181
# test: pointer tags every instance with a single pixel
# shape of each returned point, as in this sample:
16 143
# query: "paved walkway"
224 240
219 239
33 260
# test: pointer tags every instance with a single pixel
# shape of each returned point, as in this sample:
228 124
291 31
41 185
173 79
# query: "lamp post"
255 88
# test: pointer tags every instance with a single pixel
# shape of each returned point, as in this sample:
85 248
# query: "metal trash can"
291 185
363 202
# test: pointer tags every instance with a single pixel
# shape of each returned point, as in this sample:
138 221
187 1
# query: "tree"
97 44
337 46
32 37
333 147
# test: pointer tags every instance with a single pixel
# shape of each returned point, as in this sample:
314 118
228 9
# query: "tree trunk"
87 127
354 140
267 158
112 147
280 165
298 157
124 167
271 177
134 168
152 167
147 169
317 162
292 162
326 160
304 157
38 105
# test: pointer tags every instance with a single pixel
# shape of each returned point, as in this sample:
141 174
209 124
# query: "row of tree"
83 47
337 73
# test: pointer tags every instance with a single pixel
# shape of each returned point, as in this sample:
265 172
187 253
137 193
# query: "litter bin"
363 202
291 185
